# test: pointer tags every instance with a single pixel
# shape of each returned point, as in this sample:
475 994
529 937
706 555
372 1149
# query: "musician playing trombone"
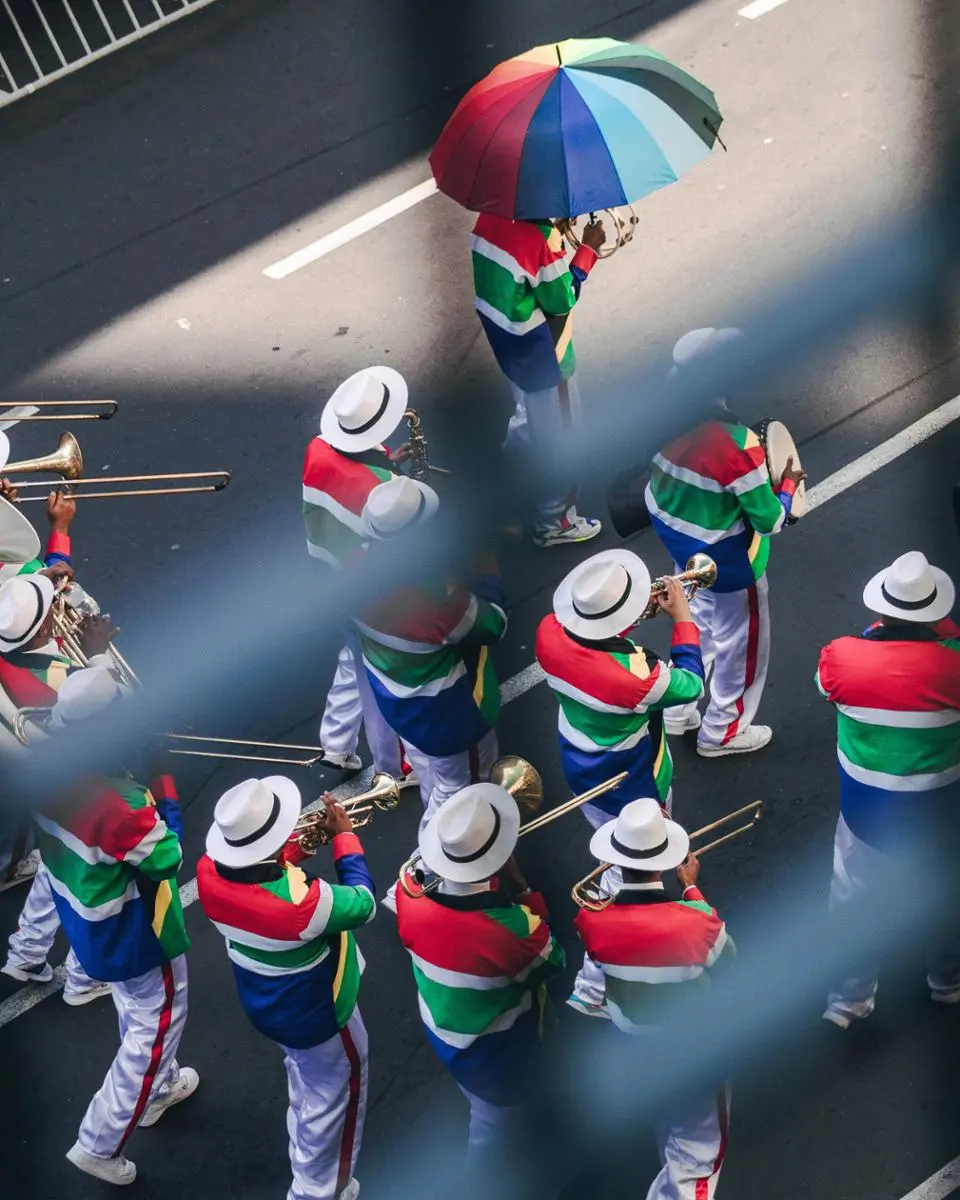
297 967
657 954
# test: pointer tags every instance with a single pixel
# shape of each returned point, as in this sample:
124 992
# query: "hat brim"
941 606
625 616
19 542
431 502
436 860
45 589
675 851
288 794
356 443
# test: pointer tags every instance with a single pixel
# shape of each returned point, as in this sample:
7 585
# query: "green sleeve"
165 857
352 907
763 509
683 687
556 297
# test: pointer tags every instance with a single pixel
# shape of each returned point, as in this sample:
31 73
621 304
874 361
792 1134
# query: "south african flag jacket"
896 690
656 953
611 695
295 960
335 489
710 492
113 863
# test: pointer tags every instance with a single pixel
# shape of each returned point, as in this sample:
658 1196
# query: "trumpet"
623 221
384 794
13 410
700 572
522 780
587 892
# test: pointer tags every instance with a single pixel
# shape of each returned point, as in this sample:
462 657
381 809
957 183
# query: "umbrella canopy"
574 127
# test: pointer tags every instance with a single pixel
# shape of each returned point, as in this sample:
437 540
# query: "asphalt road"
141 202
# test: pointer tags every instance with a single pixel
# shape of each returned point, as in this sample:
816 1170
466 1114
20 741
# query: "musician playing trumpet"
296 965
657 954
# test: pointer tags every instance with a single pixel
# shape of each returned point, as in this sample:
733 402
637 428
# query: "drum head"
780 448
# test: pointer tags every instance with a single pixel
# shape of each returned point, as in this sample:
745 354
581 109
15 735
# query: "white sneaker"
570 528
350 1192
185 1086
842 1020
26 869
41 973
945 995
85 995
754 737
587 1007
679 728
343 762
117 1170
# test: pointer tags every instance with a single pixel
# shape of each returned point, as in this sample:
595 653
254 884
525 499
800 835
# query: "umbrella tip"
556 46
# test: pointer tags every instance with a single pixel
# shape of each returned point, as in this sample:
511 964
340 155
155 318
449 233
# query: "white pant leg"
854 864
701 610
32 940
489 1125
455 771
328 1102
342 713
590 984
692 1139
539 419
740 633
385 746
152 1010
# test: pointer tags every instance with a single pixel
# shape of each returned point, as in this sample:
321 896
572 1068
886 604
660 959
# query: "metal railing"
43 40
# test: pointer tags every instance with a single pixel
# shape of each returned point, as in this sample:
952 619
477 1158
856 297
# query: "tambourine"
621 222
779 447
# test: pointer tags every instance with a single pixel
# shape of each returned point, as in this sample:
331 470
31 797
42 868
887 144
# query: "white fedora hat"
24 603
699 342
641 838
472 834
19 542
253 820
911 589
364 410
84 694
394 506
604 595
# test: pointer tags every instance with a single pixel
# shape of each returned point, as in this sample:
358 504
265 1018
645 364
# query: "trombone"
314 753
522 780
587 892
109 408
383 795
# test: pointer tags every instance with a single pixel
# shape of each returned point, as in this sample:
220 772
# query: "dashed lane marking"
758 8
514 687
945 1183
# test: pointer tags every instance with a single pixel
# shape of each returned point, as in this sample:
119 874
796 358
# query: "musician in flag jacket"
112 851
525 294
896 689
657 955
297 967
482 951
426 649
342 465
710 491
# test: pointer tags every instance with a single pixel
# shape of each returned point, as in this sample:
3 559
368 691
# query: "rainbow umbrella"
574 127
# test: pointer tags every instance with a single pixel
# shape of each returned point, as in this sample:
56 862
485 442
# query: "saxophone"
419 465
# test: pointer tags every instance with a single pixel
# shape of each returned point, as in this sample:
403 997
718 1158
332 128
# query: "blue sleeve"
351 863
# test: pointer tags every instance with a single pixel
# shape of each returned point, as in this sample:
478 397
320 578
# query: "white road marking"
939 1186
758 8
514 687
353 229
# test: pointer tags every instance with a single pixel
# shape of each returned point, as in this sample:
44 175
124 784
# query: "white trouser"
489 1125
350 702
152 1010
858 870
692 1139
327 1085
32 940
441 778
735 643
542 417
14 848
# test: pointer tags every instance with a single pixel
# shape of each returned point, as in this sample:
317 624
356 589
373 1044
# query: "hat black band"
908 605
262 831
607 612
374 419
35 622
394 532
629 852
469 858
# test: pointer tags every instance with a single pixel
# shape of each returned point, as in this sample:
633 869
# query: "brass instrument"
522 780
700 572
421 466
67 462
71 607
109 406
623 227
314 753
384 794
30 724
587 892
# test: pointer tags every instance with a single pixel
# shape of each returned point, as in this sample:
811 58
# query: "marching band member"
657 953
896 689
342 465
297 967
426 649
525 294
482 952
710 491
612 692
112 852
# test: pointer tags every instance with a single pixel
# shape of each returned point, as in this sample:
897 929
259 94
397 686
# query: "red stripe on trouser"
753 647
353 1108
473 759
156 1053
723 1120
